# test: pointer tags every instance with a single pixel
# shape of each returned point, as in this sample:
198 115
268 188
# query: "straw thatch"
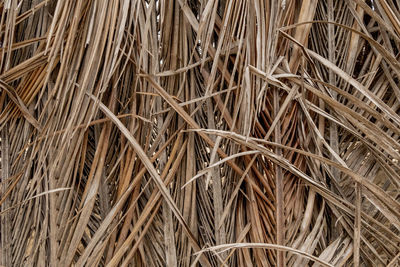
200 133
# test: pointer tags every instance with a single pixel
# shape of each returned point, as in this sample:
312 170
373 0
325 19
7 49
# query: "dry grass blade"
267 246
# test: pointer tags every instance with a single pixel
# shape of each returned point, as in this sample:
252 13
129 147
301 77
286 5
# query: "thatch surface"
194 132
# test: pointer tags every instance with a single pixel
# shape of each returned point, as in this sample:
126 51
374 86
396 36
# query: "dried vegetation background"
194 132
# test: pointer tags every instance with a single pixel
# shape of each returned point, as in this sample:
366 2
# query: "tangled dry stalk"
194 132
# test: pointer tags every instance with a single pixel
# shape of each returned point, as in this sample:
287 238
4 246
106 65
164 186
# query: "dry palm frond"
212 133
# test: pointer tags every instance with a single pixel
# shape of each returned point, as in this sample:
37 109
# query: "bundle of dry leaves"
200 133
